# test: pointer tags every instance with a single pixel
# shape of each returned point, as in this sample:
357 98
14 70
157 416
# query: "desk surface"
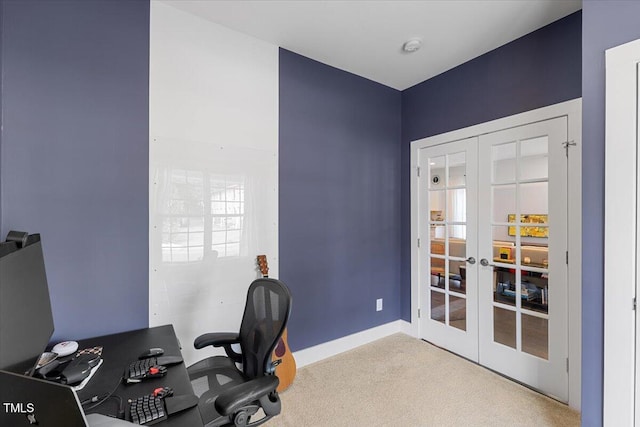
121 349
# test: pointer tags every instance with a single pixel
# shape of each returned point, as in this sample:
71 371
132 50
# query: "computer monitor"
28 401
26 320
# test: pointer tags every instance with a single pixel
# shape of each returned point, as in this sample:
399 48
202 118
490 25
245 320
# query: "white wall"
213 181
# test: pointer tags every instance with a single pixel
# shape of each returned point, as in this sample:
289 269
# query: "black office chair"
229 396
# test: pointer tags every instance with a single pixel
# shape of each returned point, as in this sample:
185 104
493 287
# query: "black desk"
121 349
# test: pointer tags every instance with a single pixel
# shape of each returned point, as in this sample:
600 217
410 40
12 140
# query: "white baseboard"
409 328
319 352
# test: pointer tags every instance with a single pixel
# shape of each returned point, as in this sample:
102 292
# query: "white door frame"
620 237
573 111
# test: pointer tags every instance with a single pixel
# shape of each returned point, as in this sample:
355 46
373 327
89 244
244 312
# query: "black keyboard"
147 410
139 368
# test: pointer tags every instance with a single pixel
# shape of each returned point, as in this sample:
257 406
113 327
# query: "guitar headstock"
263 265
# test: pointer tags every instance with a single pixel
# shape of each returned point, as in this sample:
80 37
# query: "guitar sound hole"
280 349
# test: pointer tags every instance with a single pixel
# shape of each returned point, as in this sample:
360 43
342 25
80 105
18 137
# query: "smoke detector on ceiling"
412 45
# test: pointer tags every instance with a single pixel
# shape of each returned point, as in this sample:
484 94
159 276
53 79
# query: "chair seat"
211 377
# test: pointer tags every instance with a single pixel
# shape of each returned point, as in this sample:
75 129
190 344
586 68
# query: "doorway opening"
496 260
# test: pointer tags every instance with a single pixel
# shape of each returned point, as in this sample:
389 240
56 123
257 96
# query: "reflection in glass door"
448 206
522 245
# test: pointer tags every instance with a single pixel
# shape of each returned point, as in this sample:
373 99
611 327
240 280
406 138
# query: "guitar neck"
263 265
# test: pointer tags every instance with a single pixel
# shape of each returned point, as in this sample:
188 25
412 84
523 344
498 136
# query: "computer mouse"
76 373
65 348
152 352
90 359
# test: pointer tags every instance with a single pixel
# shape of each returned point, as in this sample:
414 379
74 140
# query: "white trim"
322 351
573 110
408 329
574 232
566 108
620 219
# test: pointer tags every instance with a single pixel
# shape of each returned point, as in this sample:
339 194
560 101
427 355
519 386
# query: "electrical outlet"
379 304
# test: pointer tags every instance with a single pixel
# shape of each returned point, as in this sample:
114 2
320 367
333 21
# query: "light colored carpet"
403 381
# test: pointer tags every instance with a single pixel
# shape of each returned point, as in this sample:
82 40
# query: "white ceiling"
366 37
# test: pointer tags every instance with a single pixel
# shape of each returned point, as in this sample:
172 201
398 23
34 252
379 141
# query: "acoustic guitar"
282 357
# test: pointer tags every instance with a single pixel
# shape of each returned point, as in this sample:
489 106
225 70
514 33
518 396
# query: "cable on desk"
100 400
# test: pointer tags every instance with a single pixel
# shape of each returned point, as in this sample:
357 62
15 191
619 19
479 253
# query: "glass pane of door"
520 256
447 196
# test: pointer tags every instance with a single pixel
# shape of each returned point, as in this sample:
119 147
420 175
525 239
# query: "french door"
448 206
494 221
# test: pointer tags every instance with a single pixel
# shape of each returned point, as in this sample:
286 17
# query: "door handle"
485 263
471 260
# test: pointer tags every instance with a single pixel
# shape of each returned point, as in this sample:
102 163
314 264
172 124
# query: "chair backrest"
265 316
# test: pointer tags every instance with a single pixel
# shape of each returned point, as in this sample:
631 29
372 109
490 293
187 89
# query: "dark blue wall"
75 102
539 69
605 24
339 200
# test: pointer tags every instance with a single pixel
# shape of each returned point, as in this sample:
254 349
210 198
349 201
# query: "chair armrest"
216 339
220 339
243 394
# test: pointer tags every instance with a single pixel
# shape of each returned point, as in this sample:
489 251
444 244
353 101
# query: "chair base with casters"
229 396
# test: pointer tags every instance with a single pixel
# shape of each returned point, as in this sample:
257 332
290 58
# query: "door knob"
471 260
484 262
